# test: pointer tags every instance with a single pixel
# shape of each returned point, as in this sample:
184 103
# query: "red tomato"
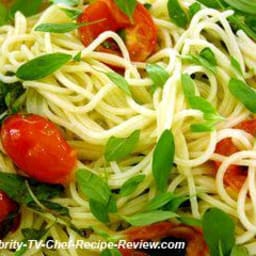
7 206
140 35
194 237
107 11
37 147
141 38
235 175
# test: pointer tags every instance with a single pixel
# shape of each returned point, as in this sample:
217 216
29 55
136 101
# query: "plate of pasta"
128 127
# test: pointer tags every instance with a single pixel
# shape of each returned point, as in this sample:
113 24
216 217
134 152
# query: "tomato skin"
7 206
235 175
140 34
141 38
37 147
114 20
194 237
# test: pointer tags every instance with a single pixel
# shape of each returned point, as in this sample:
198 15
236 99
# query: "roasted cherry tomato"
140 33
37 147
193 236
235 175
7 206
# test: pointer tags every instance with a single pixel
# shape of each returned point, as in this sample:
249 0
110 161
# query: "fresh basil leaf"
66 2
244 93
55 208
148 218
77 57
188 86
72 13
206 58
34 234
93 186
99 211
250 21
246 6
236 65
42 66
27 7
163 157
177 14
131 185
175 203
190 221
215 4
239 251
127 6
158 75
194 9
111 206
118 148
208 55
148 6
119 81
218 227
11 98
15 187
63 27
159 201
199 103
110 252
3 14
203 127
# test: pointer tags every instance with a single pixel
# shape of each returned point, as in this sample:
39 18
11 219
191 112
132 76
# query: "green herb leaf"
194 9
244 93
34 234
158 75
236 65
63 27
15 187
250 21
206 58
11 98
72 13
131 185
118 148
218 227
3 14
99 210
77 57
215 4
110 252
159 201
148 218
188 86
27 7
148 6
201 104
190 221
93 186
42 66
119 81
239 251
208 55
177 14
66 2
163 157
127 6
246 6
175 203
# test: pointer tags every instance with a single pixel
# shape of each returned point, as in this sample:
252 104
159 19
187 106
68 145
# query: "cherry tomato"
141 37
7 206
235 175
37 147
140 34
107 11
194 237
